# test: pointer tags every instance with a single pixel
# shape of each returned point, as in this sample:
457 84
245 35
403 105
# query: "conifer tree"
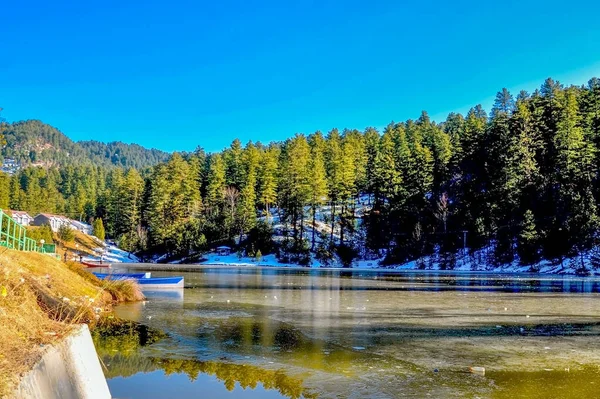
233 162
247 211
294 183
316 179
267 178
215 186
98 229
576 218
334 168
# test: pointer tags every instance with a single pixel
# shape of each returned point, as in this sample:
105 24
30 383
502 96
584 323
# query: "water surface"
262 332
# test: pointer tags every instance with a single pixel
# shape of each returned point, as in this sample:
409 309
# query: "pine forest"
519 184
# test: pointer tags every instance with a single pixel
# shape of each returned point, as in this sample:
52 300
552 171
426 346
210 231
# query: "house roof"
223 247
51 216
17 213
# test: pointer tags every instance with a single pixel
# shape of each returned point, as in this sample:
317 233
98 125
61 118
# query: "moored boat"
119 276
161 282
95 264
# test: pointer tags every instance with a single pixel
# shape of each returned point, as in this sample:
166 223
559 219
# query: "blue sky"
178 74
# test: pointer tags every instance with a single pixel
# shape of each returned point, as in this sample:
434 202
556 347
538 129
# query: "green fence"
13 235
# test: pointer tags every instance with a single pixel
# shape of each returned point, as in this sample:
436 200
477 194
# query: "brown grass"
125 290
83 243
40 299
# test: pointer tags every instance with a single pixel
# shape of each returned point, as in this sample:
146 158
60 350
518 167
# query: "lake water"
297 333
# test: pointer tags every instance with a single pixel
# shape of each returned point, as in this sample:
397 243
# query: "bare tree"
442 210
231 198
142 236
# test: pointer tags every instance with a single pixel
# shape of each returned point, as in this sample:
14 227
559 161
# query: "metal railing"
14 235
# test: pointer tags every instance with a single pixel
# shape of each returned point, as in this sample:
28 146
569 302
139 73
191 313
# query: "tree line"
33 142
522 183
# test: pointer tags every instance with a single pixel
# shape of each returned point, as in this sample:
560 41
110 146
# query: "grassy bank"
41 298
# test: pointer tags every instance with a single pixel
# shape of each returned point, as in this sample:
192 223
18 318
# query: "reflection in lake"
122 355
369 334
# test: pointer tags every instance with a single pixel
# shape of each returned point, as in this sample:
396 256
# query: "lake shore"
193 267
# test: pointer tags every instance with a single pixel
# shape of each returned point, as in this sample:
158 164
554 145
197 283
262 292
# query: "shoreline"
202 266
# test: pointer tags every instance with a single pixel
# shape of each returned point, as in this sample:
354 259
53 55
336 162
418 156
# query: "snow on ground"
464 263
112 254
479 261
234 260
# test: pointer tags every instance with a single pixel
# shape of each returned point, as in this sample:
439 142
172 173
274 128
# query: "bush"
40 233
66 234
294 252
347 254
258 256
260 237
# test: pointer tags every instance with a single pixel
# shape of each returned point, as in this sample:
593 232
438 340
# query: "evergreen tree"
98 229
528 243
316 179
215 186
334 168
247 210
267 178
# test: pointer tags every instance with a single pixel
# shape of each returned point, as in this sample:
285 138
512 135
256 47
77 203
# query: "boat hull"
160 282
90 264
120 276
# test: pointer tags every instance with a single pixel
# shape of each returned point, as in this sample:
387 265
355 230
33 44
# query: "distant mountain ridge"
35 143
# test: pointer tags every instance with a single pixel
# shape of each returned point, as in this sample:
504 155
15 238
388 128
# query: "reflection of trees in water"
247 376
247 335
119 353
121 336
125 365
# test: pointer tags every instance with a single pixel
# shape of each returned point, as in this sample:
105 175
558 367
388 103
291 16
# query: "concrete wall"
68 370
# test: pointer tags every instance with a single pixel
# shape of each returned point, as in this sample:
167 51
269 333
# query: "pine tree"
233 162
98 229
316 178
576 207
4 191
215 186
371 138
334 166
247 211
294 189
267 178
528 243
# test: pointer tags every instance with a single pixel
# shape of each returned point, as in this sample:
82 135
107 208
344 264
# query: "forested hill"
33 142
518 185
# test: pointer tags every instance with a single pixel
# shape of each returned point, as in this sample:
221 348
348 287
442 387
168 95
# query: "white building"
54 221
21 217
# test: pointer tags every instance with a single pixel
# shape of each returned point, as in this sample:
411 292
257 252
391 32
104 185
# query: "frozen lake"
263 332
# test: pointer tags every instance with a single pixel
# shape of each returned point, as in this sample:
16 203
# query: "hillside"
41 299
33 142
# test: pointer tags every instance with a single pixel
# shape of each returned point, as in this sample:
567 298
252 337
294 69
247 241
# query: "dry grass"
124 290
83 243
40 298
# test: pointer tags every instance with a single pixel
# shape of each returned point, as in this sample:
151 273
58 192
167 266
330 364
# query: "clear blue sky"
174 74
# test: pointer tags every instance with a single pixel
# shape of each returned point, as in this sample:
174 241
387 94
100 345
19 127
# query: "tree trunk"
342 221
314 221
294 218
332 219
302 223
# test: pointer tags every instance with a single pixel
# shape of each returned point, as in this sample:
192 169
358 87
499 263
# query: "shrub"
66 234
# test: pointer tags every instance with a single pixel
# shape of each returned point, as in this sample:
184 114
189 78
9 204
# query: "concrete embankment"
67 370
